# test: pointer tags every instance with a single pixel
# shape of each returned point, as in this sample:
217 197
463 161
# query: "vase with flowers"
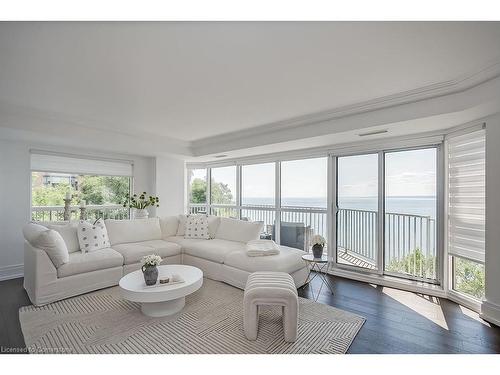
140 203
318 244
149 268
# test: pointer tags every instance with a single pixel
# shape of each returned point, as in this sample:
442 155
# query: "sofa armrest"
39 271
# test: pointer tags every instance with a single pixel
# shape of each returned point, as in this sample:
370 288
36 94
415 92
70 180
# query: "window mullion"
381 213
277 220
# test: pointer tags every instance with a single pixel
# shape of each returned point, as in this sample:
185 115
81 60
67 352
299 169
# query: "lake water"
425 206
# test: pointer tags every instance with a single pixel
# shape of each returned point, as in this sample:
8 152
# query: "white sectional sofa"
221 258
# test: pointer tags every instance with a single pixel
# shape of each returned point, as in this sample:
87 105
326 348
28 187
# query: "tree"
103 189
93 189
49 195
221 193
198 191
469 277
414 263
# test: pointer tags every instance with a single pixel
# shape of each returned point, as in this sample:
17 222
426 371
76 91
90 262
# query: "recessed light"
220 156
373 133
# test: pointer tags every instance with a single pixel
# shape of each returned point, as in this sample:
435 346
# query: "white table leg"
159 309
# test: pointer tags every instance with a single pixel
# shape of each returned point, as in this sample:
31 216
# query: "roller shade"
79 165
466 195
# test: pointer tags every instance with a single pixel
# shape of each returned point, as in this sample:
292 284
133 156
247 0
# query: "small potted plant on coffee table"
318 243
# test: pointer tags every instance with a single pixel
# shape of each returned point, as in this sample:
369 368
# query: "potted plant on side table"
140 203
318 244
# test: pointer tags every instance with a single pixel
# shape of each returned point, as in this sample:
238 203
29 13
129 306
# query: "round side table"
319 266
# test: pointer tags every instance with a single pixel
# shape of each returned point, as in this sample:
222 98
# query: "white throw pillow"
181 230
197 227
92 236
238 230
68 231
53 244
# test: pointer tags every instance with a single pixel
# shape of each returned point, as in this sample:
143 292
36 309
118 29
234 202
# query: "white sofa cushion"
125 231
214 250
133 252
92 237
213 225
184 242
31 231
169 226
238 230
197 227
288 260
163 248
80 262
53 244
68 231
181 229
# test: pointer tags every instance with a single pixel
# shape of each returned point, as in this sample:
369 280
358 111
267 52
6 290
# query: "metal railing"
357 233
409 239
409 247
310 220
92 212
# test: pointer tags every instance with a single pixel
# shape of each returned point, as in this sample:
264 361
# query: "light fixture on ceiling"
373 132
220 156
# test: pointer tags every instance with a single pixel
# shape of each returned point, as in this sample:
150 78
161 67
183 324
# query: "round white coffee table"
161 300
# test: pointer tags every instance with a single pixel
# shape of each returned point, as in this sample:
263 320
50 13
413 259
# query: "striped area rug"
211 322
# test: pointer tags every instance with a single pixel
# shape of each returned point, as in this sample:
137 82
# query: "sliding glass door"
398 188
357 214
410 214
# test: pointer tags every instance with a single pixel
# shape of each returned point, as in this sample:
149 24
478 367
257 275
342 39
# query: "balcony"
409 239
92 212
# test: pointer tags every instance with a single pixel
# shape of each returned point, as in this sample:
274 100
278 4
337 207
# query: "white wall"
15 194
170 186
491 306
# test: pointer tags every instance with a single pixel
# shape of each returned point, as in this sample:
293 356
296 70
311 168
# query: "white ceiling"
193 80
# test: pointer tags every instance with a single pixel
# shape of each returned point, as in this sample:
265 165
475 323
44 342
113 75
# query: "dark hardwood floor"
396 321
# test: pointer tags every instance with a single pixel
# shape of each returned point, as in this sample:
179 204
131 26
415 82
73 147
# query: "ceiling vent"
373 133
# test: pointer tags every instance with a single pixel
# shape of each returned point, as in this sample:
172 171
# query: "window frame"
422 140
31 171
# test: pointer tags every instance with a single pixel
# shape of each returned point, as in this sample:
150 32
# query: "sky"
408 173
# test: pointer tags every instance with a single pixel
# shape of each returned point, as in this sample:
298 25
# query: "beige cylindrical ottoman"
270 288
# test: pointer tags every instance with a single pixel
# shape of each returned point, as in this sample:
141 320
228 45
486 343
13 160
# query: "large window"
197 189
293 220
303 201
258 190
98 186
357 215
102 196
410 213
223 191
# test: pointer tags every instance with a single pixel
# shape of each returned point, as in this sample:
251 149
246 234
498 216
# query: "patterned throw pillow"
92 236
197 227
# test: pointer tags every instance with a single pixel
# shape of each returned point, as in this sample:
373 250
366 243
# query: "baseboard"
490 312
11 272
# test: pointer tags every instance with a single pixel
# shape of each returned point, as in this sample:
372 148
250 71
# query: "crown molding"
459 84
